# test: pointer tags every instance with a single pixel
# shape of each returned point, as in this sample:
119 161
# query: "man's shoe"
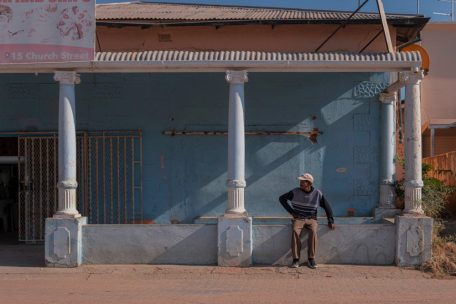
295 264
311 263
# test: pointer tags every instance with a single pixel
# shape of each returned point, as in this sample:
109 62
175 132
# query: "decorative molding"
62 244
236 201
411 77
369 88
412 183
67 184
67 204
236 183
67 77
413 201
415 240
234 241
387 98
236 77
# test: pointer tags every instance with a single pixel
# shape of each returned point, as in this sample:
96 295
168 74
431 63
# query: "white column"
67 183
413 152
387 168
236 143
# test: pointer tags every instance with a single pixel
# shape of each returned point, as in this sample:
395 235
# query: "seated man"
304 203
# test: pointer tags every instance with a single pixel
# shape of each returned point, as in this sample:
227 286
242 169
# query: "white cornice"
220 61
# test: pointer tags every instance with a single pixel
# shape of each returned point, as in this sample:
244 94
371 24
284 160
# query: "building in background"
439 101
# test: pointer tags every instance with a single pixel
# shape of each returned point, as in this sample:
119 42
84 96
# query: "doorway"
8 190
109 175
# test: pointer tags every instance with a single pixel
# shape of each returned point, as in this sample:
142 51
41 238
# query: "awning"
219 61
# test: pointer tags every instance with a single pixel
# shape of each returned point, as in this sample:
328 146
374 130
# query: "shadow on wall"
184 176
366 244
344 161
125 244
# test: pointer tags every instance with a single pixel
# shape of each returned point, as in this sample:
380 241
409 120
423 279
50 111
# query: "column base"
413 240
412 198
235 244
236 200
235 214
66 215
63 241
381 213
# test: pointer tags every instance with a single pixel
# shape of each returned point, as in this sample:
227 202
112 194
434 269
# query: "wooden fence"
443 167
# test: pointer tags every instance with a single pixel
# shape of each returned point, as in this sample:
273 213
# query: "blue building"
193 119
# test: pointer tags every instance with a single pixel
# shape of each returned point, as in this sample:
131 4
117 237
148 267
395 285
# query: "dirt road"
210 284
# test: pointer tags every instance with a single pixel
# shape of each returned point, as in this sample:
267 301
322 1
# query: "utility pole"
381 12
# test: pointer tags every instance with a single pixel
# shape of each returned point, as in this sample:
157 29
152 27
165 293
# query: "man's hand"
331 226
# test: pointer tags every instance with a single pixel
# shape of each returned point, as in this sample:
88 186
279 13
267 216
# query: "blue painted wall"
184 176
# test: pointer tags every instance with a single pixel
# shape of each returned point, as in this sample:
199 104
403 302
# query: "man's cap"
306 177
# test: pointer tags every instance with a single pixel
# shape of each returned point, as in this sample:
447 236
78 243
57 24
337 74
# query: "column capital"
236 77
387 98
411 77
67 77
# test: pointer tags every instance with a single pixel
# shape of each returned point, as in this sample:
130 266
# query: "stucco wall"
438 97
149 244
184 176
369 244
286 38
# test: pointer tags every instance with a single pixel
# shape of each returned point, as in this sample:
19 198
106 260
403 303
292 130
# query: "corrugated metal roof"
227 56
221 61
200 12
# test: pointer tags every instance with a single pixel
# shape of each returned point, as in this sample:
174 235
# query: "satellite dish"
424 55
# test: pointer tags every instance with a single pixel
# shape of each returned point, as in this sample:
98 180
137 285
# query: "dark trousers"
298 226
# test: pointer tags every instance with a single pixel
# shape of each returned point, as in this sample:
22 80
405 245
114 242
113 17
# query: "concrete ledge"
285 220
381 213
194 244
368 244
150 244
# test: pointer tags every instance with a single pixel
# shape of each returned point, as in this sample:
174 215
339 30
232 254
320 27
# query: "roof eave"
208 66
419 21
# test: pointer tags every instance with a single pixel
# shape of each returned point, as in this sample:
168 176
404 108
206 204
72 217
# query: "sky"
426 7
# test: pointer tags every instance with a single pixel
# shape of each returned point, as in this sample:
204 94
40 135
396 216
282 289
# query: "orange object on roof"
424 55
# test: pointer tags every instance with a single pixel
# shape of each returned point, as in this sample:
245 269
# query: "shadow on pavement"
19 254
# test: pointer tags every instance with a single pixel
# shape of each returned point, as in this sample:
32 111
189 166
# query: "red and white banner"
47 30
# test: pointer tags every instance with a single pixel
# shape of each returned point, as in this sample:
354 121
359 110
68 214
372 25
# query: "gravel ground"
211 284
24 279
